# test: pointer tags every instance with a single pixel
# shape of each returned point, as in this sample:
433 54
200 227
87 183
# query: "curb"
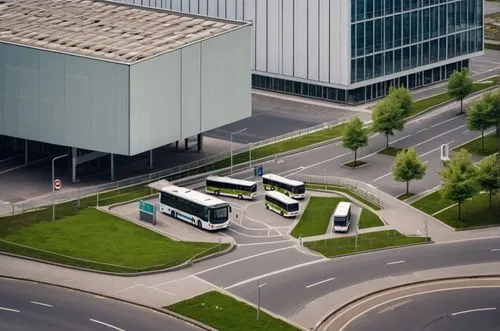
372 250
342 307
160 310
478 227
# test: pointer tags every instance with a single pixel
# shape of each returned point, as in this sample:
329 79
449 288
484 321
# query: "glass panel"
397 30
369 9
414 26
434 47
406 58
479 39
378 10
353 40
451 46
406 5
397 60
388 32
434 21
442 49
360 10
389 66
425 53
464 42
378 66
353 10
426 21
406 29
369 37
442 20
451 17
379 35
353 71
389 7
369 67
360 40
414 56
463 15
360 69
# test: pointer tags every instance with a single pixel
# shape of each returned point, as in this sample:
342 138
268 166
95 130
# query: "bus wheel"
267 206
281 213
216 192
240 197
272 188
287 194
199 225
173 213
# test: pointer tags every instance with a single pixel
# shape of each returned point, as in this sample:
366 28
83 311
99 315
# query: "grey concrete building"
115 79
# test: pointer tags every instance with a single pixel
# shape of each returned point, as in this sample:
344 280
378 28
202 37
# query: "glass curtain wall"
389 36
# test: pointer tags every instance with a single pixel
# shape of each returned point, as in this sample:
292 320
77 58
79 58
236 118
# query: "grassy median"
315 219
367 219
491 145
366 242
432 203
101 239
345 190
225 313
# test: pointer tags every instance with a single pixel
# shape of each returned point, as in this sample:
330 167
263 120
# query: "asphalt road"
27 306
453 310
317 277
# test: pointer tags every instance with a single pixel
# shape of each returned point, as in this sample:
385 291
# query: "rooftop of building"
101 29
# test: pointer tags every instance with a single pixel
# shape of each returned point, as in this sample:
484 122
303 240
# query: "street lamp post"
231 136
53 189
259 286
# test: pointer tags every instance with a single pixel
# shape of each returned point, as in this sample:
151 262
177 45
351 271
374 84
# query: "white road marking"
435 149
379 178
495 249
276 272
397 305
472 311
321 282
106 324
41 304
466 131
448 120
420 131
264 243
9 309
251 236
399 139
396 262
319 163
262 285
439 135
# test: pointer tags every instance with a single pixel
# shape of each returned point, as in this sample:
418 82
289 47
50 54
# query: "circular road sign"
57 184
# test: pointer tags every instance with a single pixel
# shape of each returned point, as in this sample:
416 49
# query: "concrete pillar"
25 152
186 144
112 168
177 146
200 142
151 159
74 154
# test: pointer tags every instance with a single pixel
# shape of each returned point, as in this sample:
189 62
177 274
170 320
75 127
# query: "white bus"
289 187
342 217
227 186
194 207
281 204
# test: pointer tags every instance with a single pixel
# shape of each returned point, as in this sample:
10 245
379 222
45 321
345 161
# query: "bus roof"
342 208
231 180
281 197
283 179
194 196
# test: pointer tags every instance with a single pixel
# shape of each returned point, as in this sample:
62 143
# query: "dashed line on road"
446 121
320 282
396 262
41 304
472 311
420 131
106 324
495 250
439 135
10 309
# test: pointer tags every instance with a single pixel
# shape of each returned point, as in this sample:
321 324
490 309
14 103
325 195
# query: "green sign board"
146 207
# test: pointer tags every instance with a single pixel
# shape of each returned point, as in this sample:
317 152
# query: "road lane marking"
420 131
399 139
439 135
393 307
106 324
396 262
446 121
9 309
472 311
435 149
265 243
262 285
272 273
321 282
252 236
41 304
378 178
495 249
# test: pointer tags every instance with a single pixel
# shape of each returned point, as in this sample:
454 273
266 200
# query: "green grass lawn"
405 196
99 237
391 151
352 165
344 190
432 203
491 145
369 219
475 212
225 313
315 219
366 241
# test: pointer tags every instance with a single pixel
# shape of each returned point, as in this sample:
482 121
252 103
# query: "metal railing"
174 173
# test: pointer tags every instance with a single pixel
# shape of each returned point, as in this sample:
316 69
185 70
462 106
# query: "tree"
489 174
478 117
387 117
355 136
494 115
403 97
459 179
407 167
460 86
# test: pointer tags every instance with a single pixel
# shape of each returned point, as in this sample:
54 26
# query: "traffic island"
355 165
391 151
405 196
225 313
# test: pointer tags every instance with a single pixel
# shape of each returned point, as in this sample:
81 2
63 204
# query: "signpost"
445 153
57 184
147 212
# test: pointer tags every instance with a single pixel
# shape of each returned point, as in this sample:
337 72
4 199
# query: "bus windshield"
293 207
340 221
253 188
298 189
218 215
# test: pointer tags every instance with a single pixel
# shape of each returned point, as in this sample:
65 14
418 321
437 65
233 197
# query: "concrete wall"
191 90
306 39
63 99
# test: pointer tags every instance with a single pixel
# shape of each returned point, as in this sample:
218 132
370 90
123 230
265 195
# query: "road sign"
445 152
57 184
147 212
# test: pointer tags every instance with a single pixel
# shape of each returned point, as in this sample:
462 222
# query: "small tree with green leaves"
355 136
403 97
460 86
478 117
494 114
388 117
407 167
459 179
489 174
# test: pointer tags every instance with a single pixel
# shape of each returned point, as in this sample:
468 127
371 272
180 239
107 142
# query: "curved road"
453 310
27 306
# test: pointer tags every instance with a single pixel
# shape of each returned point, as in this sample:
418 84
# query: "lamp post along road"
259 286
53 188
231 137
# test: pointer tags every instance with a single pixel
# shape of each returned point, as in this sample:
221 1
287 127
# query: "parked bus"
196 208
238 188
342 217
289 187
281 204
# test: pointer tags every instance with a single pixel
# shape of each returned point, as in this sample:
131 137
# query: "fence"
132 184
364 190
